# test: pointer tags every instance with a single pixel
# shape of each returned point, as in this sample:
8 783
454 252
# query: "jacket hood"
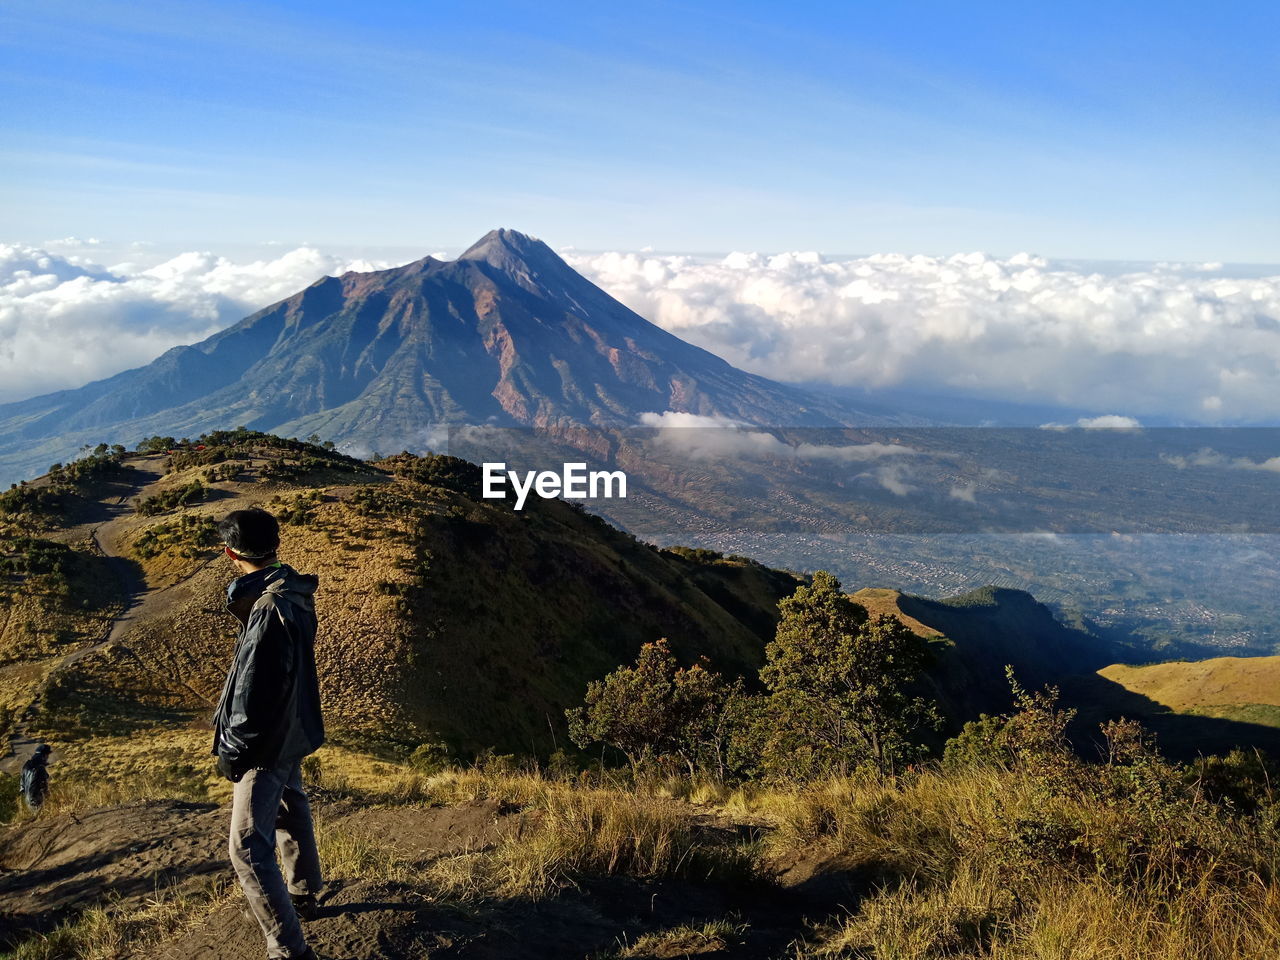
279 579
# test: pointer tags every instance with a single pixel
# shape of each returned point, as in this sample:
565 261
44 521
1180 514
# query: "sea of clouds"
66 320
1181 341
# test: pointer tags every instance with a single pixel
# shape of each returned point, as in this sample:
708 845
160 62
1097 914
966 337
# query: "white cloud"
1208 457
74 242
65 320
1178 340
705 437
1108 421
891 476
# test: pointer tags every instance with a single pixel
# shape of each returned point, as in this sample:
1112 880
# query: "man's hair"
251 534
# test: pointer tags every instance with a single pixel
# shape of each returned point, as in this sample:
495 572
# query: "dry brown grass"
968 863
686 940
107 932
985 863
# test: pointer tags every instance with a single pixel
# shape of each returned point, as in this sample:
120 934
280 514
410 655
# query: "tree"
657 710
841 682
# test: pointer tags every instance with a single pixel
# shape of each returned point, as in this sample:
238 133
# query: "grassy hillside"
1232 688
1193 707
444 617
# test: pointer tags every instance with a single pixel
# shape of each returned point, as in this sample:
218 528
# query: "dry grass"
1219 682
346 850
106 932
686 940
575 832
985 863
981 862
175 763
976 916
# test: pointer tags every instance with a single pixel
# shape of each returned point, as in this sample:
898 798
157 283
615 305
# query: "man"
268 719
34 781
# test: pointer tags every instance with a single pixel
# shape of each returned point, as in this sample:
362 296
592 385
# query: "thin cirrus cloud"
1171 340
1159 341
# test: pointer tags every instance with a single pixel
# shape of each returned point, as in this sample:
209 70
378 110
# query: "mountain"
507 333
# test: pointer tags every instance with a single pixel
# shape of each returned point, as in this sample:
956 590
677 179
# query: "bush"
166 500
156 444
657 710
34 565
188 536
298 510
431 757
980 742
26 500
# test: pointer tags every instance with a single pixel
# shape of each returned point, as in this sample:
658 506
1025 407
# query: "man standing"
34 781
268 719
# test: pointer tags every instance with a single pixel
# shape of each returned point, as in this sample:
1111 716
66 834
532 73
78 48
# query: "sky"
1135 131
1064 205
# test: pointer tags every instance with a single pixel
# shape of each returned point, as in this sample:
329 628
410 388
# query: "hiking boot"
304 905
309 955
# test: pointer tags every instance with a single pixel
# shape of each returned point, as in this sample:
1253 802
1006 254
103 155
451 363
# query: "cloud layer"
1170 340
1166 341
65 321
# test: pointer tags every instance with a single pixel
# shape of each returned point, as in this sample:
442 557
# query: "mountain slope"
508 333
444 617
975 635
1192 707
1233 688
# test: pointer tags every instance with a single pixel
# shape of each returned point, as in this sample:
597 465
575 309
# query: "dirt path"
55 866
132 590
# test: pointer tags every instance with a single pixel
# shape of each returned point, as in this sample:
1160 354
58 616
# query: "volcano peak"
503 244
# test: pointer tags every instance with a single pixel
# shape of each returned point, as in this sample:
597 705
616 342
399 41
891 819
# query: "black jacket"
34 781
269 711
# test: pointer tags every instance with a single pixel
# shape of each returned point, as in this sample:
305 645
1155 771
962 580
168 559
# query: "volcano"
507 334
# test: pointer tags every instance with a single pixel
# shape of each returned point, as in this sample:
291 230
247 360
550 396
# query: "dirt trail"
55 866
133 592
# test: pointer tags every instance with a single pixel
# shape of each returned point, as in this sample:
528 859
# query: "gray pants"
269 810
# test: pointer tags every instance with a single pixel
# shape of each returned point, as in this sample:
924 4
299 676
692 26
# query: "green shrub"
841 683
188 536
980 742
166 500
298 510
656 710
9 798
431 757
34 565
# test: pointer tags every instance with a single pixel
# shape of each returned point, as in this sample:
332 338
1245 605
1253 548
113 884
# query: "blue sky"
1132 131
